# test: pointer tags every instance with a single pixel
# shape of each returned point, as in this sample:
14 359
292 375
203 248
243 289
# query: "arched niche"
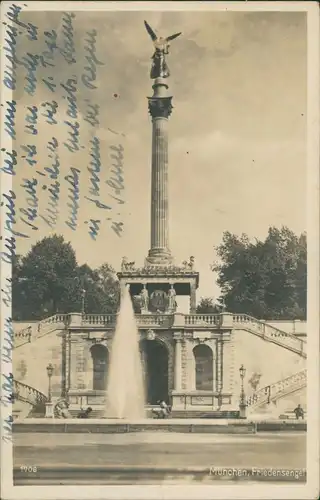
100 362
203 357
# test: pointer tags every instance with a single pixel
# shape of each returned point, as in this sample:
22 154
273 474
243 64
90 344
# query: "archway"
155 364
204 367
100 360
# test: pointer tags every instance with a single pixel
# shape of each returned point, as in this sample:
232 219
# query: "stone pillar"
219 365
160 109
229 365
73 363
191 366
193 299
81 364
178 365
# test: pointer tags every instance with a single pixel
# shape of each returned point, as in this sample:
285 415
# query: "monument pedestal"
49 410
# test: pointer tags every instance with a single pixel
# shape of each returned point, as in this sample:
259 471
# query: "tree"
265 279
207 305
42 282
48 280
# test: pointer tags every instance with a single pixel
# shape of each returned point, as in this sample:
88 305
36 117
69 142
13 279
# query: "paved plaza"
158 450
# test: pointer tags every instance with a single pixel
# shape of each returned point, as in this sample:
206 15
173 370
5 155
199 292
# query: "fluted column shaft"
159 186
160 109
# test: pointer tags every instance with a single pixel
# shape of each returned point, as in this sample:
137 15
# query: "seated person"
61 409
163 411
299 412
85 413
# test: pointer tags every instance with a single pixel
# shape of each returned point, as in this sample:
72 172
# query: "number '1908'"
28 468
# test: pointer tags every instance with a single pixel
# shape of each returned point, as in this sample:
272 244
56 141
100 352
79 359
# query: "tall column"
160 109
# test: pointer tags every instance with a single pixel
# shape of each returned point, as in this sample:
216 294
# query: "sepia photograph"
157 187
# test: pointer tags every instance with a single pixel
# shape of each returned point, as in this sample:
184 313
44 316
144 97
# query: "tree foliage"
207 305
48 280
266 279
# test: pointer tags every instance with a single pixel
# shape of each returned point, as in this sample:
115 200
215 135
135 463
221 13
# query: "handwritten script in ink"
65 172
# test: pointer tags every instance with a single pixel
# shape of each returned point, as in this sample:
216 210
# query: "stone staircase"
270 333
277 390
27 401
23 337
44 327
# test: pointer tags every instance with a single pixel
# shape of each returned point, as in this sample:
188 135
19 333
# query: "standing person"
299 412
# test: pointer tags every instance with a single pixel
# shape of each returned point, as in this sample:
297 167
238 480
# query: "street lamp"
50 373
243 403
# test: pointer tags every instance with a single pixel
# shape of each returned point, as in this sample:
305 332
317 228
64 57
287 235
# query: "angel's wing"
150 31
172 37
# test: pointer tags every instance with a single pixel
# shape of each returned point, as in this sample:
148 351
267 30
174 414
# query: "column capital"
178 336
160 107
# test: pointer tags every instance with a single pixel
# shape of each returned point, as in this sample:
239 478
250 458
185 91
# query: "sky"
237 134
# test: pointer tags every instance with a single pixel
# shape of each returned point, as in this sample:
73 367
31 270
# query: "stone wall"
261 357
30 362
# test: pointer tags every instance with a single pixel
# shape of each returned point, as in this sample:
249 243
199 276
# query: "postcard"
160 250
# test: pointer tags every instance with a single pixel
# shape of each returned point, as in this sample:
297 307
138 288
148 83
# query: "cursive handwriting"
117 182
13 15
9 48
54 187
9 123
32 119
6 292
49 109
68 50
9 162
92 114
10 220
10 245
95 167
31 213
31 151
72 143
71 88
90 71
8 339
73 180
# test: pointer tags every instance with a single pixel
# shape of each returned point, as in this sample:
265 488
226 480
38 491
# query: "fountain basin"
113 426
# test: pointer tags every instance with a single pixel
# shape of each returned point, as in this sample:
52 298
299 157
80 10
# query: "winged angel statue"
159 68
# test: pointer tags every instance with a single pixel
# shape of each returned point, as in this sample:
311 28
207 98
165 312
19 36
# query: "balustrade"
270 332
201 319
269 392
25 333
99 319
24 392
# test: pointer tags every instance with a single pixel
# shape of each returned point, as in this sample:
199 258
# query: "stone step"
205 414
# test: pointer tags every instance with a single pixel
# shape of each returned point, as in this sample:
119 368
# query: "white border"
238 491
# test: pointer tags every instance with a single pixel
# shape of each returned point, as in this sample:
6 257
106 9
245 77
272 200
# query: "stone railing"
161 320
99 319
203 319
56 322
185 268
23 336
278 389
24 392
271 333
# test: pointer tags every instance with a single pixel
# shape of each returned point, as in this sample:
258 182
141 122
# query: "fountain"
125 390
